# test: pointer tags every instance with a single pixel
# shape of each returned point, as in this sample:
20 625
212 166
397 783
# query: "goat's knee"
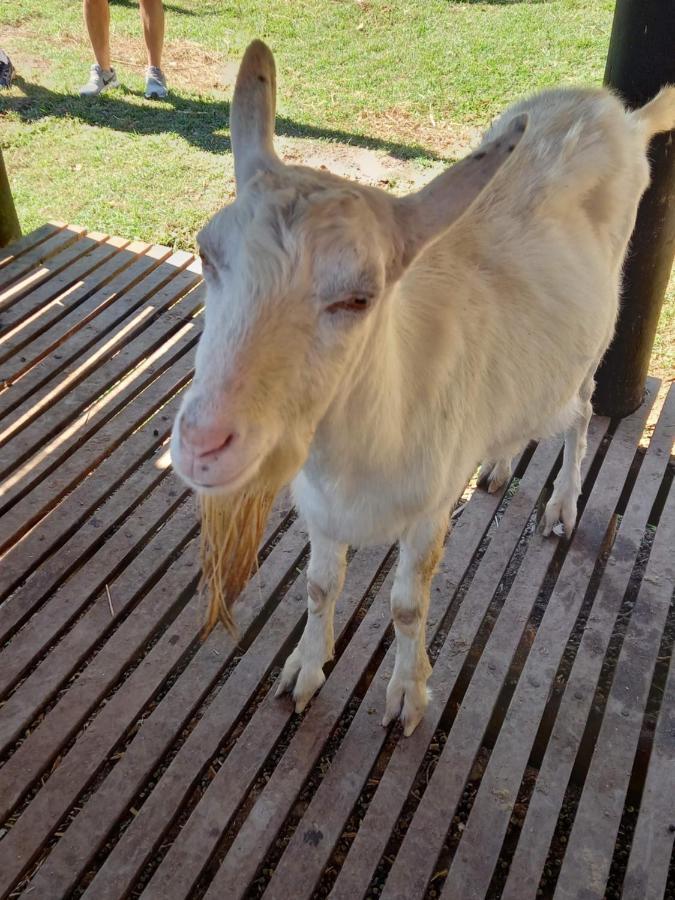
318 598
303 671
406 617
407 695
326 569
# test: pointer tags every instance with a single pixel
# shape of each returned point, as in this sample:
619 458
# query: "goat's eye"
356 303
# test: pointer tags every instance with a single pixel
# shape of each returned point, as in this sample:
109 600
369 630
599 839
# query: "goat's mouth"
232 483
224 470
234 513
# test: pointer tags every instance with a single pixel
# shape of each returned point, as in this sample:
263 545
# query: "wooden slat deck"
137 759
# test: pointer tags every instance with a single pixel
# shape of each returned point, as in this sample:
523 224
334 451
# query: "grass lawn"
380 89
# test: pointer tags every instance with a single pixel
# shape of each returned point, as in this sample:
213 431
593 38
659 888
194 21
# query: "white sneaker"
155 84
99 80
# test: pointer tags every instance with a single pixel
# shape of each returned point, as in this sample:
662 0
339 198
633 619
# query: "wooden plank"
105 568
76 452
132 469
147 609
77 768
32 316
590 846
28 241
556 767
261 732
34 258
397 780
402 768
445 787
124 352
302 864
159 730
12 295
104 573
129 281
145 833
151 757
186 858
54 296
481 841
27 496
122 355
364 738
652 847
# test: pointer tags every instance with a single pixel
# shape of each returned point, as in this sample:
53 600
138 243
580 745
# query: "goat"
376 349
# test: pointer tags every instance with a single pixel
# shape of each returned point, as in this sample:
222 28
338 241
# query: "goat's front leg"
420 551
303 672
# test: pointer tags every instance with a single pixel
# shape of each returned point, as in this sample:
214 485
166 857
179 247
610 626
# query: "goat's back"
583 155
525 287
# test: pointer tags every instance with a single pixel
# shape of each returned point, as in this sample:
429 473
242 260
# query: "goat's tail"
659 114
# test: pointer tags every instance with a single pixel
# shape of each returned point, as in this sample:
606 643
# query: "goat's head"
299 271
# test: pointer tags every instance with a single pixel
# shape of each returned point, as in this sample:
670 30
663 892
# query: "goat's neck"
396 382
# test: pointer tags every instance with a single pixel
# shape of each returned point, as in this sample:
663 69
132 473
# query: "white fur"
492 296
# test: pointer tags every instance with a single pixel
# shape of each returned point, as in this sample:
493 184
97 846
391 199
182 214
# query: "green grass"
376 73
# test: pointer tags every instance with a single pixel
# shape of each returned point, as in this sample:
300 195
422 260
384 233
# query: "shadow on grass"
199 121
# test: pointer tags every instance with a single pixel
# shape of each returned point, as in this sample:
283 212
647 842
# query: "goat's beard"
232 529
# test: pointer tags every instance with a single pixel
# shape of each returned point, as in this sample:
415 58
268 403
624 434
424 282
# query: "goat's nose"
204 439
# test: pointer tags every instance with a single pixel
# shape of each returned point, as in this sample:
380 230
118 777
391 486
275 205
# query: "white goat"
379 348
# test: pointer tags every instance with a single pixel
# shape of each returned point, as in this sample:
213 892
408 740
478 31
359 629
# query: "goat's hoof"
493 476
560 516
301 679
309 680
407 701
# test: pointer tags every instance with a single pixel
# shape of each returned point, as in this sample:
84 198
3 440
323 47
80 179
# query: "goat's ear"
424 216
252 114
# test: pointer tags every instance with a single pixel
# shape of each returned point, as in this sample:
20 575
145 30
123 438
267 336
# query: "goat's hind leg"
494 474
303 671
420 551
562 507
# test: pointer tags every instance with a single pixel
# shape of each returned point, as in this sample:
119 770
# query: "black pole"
640 61
9 222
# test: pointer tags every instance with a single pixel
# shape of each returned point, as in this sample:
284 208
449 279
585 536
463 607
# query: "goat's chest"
358 514
371 507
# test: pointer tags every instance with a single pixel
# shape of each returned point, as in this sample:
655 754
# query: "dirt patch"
25 64
448 139
186 63
373 167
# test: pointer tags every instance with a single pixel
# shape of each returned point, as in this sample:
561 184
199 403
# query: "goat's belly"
364 516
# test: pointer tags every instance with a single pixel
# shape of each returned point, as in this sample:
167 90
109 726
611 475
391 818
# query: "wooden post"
641 60
9 222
